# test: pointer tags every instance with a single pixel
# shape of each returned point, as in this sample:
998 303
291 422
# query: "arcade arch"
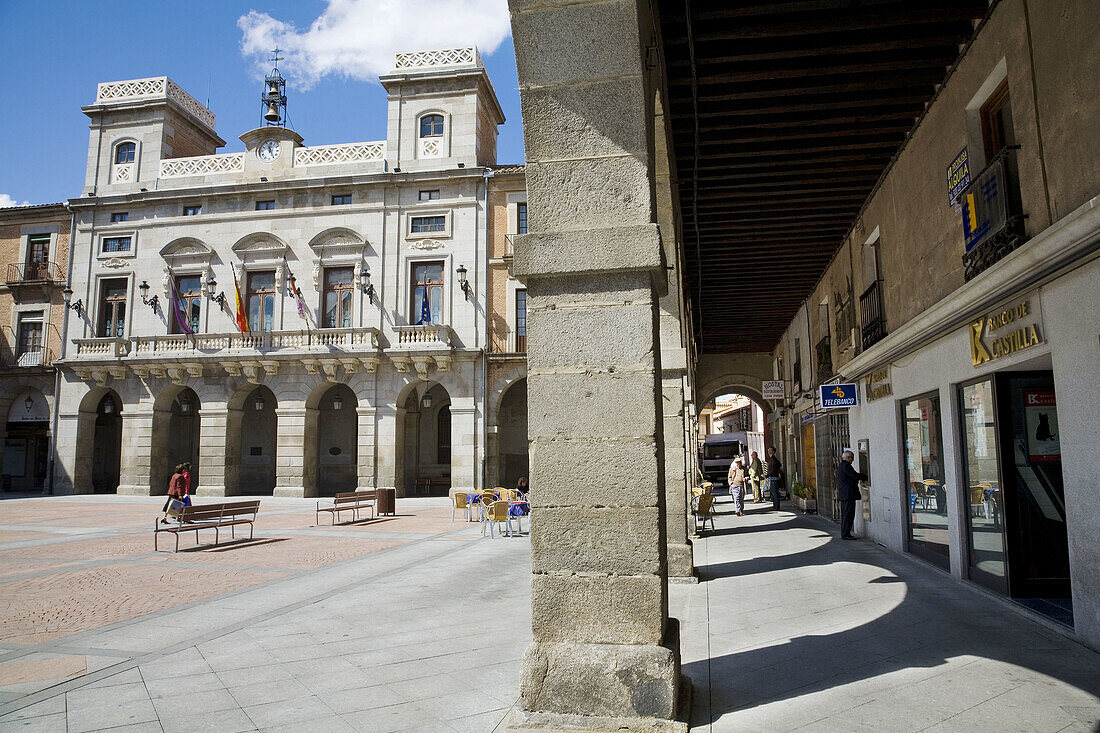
424 440
512 435
336 443
175 437
97 468
251 442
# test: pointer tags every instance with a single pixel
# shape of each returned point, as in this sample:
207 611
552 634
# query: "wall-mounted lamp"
153 302
426 401
462 283
259 404
337 402
365 285
185 405
395 170
263 179
461 165
108 406
78 306
144 190
29 402
211 286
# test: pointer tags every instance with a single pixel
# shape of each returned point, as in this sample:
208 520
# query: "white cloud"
357 38
6 201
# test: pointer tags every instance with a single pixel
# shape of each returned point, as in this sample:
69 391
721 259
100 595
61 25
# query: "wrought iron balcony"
796 377
871 315
824 360
993 223
35 273
31 358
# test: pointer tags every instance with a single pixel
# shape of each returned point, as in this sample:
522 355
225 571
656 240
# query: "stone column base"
293 492
681 563
522 721
202 490
136 490
588 682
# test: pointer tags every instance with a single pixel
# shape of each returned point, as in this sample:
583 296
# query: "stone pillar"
135 478
290 470
365 469
388 445
465 457
681 563
213 424
603 647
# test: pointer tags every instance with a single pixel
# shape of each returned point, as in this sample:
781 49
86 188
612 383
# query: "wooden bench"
210 516
351 501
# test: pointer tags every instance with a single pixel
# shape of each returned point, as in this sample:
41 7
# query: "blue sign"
838 395
958 178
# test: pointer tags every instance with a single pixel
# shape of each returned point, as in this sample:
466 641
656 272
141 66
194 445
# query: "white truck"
720 450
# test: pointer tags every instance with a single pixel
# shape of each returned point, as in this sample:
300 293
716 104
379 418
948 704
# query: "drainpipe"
485 348
52 448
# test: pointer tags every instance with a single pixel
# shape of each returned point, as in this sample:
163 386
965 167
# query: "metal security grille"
831 436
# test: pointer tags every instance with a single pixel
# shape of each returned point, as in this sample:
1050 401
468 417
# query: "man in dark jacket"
847 490
773 471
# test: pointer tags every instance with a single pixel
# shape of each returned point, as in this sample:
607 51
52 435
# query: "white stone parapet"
419 60
337 154
426 336
348 339
102 348
158 87
201 165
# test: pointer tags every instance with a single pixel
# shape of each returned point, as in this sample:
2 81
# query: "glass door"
928 506
985 500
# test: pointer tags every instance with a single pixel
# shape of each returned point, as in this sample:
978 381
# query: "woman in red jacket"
177 489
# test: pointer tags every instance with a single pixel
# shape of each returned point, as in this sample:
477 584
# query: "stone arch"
251 456
512 439
331 439
495 468
98 463
175 435
419 446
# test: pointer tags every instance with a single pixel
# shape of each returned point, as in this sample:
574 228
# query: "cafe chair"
459 502
702 507
496 513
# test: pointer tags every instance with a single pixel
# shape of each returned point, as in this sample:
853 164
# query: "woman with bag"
186 498
177 490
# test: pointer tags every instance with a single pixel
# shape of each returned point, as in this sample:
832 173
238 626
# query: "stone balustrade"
325 339
426 336
102 348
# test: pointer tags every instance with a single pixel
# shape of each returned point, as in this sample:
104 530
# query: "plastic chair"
460 502
497 512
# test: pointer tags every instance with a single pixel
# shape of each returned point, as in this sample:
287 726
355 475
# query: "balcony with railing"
824 351
428 336
993 222
34 273
871 315
796 377
35 357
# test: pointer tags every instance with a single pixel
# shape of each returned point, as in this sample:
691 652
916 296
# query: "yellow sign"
877 385
985 345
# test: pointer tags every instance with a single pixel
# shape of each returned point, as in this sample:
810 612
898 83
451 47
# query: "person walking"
176 489
847 490
186 498
736 479
773 471
756 476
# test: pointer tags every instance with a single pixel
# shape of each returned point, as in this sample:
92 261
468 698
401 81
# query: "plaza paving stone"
417 623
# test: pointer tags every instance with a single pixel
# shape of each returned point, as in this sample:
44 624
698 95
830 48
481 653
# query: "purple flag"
181 319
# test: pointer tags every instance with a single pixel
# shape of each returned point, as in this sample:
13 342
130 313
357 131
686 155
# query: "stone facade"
335 384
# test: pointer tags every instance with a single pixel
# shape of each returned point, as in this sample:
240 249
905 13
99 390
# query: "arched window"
431 126
443 436
124 153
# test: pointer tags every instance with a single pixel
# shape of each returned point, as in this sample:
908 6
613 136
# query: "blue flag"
425 310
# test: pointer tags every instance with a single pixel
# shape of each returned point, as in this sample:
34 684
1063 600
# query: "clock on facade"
269 151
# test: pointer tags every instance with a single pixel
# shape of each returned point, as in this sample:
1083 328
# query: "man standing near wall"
756 475
847 484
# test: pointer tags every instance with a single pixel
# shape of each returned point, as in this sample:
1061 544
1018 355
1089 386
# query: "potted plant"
804 497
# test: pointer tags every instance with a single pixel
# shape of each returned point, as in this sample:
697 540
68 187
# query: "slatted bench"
210 516
347 501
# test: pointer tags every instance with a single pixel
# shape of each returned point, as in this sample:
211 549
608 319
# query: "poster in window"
1041 418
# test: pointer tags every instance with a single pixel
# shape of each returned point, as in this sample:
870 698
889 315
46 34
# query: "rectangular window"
192 210
119 216
341 199
427 293
38 254
927 496
521 321
31 330
265 206
996 116
429 195
425 224
521 217
112 308
261 301
189 290
116 244
339 292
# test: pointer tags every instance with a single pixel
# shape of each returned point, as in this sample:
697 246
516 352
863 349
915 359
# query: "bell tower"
273 100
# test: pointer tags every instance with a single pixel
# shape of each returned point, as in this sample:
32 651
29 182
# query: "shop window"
927 502
189 294
426 305
112 309
987 554
261 301
338 297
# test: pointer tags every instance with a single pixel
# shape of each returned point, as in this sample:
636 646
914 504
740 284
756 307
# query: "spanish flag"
242 315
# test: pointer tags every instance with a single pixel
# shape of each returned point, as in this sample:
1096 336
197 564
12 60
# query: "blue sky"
54 54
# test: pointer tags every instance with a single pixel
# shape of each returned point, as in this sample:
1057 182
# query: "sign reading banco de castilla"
1003 331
